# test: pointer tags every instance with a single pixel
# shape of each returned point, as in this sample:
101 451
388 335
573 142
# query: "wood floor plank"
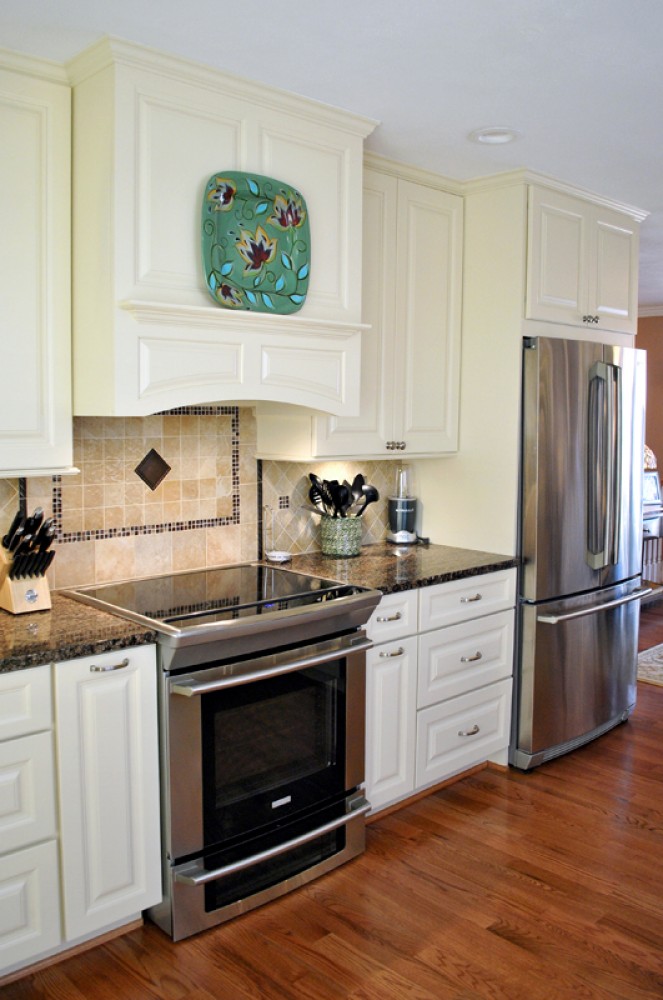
503 886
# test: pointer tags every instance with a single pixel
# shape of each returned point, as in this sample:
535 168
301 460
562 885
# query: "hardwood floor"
507 886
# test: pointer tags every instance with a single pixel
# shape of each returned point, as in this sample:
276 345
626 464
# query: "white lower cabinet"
106 717
391 694
92 756
438 691
29 866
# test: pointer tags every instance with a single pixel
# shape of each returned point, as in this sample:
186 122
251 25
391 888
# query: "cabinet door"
368 433
558 254
428 317
29 904
391 697
35 405
461 732
106 715
613 274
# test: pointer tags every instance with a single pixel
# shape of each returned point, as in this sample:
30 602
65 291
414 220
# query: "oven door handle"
195 874
189 686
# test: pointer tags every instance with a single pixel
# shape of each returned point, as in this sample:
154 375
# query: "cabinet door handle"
471 659
390 618
396 652
470 600
469 732
111 666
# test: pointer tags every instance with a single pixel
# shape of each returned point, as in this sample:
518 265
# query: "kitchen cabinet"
29 867
439 690
391 699
410 355
35 406
150 130
107 752
412 274
582 262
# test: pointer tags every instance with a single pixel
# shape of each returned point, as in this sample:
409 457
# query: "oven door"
255 744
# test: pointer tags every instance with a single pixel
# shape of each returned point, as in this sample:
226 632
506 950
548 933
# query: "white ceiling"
582 80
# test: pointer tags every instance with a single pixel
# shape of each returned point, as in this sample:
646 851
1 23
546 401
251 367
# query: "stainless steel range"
262 681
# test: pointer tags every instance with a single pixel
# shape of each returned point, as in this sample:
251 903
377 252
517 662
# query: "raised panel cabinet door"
107 747
429 253
613 275
35 405
557 260
391 697
368 433
29 904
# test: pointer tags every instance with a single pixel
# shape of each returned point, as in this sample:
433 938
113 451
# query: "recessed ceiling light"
494 136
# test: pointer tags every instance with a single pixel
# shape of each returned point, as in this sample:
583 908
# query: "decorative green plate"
256 243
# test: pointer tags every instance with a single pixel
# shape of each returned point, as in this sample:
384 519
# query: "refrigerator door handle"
637 595
604 467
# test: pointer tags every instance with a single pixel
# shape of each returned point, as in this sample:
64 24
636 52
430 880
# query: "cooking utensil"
370 495
340 497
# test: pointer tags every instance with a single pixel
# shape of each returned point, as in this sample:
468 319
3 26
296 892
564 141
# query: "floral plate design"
256 243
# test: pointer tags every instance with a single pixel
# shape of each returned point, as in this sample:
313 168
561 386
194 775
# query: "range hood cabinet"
149 131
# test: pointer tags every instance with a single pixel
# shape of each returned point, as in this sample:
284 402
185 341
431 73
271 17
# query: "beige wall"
650 338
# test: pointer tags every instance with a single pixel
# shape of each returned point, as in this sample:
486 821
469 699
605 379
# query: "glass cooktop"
213 595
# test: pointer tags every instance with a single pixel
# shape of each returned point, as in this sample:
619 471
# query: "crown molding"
46 69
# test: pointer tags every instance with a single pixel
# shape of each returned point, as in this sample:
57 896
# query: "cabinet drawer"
395 615
29 904
25 702
461 600
27 783
459 658
462 732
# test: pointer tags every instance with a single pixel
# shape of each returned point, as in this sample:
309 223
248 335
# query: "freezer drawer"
577 672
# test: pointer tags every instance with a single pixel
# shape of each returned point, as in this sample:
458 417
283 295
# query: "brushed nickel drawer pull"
111 666
390 618
470 600
471 659
469 732
396 652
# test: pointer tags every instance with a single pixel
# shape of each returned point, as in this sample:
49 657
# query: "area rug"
650 665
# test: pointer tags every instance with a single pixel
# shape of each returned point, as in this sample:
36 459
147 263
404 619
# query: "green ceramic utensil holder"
340 536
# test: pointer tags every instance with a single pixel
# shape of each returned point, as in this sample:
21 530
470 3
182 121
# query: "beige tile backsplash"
205 512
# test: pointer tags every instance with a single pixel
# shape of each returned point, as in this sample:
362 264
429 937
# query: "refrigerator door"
578 671
582 459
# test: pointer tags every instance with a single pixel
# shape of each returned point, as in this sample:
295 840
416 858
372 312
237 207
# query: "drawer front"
29 904
461 600
27 783
26 705
395 616
462 732
457 659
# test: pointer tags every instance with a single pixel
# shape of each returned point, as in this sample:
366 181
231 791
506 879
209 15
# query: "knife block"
31 593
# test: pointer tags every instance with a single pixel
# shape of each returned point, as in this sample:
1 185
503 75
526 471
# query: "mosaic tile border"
63 537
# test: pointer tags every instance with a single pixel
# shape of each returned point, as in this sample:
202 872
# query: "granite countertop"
391 568
69 630
72 629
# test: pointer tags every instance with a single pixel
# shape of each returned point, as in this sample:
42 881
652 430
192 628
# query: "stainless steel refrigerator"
580 543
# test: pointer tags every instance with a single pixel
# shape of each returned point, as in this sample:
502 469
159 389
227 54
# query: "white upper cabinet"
149 132
582 262
413 250
35 406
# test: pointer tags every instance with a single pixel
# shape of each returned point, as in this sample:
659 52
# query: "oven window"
272 748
